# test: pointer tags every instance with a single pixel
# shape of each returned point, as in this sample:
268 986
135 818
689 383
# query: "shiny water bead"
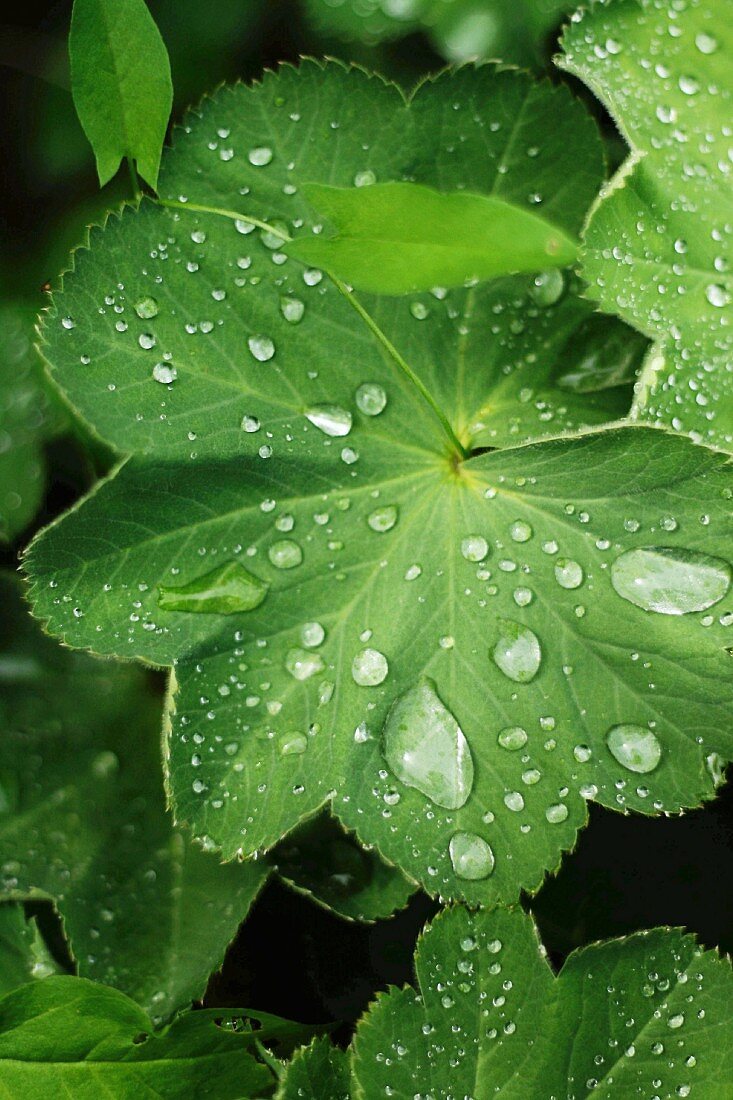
426 749
383 519
371 398
568 573
312 635
260 156
165 373
261 347
285 554
513 738
303 663
474 548
471 856
636 748
517 651
330 419
146 308
369 668
670 581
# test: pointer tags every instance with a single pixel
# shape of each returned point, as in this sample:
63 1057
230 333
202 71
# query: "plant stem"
348 294
136 189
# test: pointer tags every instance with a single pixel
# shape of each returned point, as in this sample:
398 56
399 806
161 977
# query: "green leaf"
460 30
25 422
23 954
320 859
657 248
84 823
642 1016
318 1072
121 83
71 1036
482 606
394 238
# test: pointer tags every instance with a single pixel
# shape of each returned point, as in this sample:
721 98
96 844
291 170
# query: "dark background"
293 957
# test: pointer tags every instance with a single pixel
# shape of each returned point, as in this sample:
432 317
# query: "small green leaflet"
395 238
121 83
73 1037
460 30
84 822
318 1072
23 954
658 246
495 601
642 1016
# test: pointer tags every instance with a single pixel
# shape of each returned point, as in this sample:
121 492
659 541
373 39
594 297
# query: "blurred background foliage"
626 873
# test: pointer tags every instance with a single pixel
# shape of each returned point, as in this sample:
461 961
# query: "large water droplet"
285 554
226 590
474 548
330 419
369 667
513 738
426 748
670 581
146 308
568 574
471 856
371 398
303 663
635 747
383 519
517 652
261 347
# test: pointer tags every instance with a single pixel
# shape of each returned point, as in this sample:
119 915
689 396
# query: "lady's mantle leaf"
648 1015
85 824
318 1072
121 83
488 609
658 247
394 238
69 1036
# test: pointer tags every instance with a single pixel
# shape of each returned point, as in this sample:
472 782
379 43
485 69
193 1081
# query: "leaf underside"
274 433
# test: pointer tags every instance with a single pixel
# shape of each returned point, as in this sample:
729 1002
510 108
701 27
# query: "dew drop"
556 813
292 744
285 554
474 548
260 156
635 747
512 738
568 574
165 373
371 398
670 581
330 419
261 347
517 652
426 748
369 668
547 287
312 635
471 856
303 663
383 519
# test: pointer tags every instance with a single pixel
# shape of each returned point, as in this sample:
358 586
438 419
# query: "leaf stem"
136 189
348 294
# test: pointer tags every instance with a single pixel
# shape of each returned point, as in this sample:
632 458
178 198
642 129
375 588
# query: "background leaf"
84 822
23 953
622 1018
121 83
657 248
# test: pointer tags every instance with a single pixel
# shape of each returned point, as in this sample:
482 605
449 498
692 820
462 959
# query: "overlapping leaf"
23 953
646 1016
318 1072
658 246
72 1037
298 538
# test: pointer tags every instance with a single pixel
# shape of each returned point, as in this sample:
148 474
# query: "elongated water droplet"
517 651
226 590
513 738
303 663
670 581
471 856
371 398
635 747
292 744
330 419
426 748
369 668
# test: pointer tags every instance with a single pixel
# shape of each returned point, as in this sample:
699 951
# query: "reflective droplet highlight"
226 590
670 581
426 749
636 748
330 419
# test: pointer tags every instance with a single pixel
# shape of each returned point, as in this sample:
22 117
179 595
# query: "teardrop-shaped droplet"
471 856
303 663
517 651
226 590
670 581
635 747
330 419
426 748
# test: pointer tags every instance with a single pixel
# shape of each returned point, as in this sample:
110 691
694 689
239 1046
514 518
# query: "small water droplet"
332 420
426 748
513 738
635 747
383 519
517 651
547 287
285 554
471 856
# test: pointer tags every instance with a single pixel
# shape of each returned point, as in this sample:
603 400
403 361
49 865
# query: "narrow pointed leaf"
396 238
121 83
